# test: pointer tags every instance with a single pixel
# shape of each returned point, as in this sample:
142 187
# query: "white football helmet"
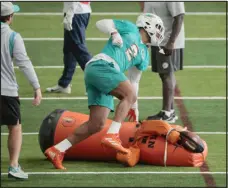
153 26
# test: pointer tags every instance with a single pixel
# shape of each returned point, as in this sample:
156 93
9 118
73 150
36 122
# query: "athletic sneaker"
162 116
59 89
113 141
56 157
17 173
175 116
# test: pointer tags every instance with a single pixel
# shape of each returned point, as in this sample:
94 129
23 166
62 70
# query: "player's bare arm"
177 24
134 75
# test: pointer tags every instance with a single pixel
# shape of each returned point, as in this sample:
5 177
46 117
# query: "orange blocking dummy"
148 137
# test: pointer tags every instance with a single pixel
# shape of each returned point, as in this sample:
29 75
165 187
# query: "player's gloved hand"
68 19
133 115
168 48
117 39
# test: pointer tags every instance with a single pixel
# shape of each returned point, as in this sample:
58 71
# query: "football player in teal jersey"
126 49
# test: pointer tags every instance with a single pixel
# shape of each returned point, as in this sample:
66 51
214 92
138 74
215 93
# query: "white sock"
114 127
172 111
63 146
168 113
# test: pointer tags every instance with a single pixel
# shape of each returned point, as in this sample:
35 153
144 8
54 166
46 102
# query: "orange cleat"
56 157
130 159
113 141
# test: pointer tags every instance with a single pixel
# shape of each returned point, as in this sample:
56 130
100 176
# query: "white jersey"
166 11
79 7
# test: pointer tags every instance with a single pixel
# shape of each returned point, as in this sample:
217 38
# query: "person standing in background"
172 15
76 20
12 47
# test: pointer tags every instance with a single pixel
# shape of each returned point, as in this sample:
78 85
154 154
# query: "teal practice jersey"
133 52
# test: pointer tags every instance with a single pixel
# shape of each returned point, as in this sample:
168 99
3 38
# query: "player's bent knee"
131 97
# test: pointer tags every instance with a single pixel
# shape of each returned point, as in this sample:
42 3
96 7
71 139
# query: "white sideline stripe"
116 13
186 67
105 39
141 98
104 173
200 133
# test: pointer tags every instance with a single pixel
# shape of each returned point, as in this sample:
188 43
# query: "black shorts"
10 110
165 64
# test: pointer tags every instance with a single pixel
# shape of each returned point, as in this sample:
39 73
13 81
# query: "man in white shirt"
172 15
76 19
12 47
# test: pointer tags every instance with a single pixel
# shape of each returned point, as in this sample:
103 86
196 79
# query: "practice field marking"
116 13
116 173
200 133
185 67
105 39
141 98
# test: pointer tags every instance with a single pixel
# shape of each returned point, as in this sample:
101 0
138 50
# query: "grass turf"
119 7
212 83
36 162
192 82
195 52
51 26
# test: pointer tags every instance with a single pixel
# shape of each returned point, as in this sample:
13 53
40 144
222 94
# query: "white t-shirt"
166 11
79 7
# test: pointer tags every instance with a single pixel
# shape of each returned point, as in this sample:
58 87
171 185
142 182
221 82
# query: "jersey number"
132 52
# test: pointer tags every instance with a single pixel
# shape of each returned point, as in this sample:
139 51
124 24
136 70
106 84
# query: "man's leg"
14 143
97 118
124 92
69 66
168 86
10 115
165 66
68 59
79 49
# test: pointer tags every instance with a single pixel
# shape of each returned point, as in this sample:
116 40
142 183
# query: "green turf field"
207 114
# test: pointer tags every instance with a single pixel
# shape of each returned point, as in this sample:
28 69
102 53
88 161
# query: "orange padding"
151 146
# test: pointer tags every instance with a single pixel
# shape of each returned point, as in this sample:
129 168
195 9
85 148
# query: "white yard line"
141 98
116 13
185 67
117 173
104 39
199 133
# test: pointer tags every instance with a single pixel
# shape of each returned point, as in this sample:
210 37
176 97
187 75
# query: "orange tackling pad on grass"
149 137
